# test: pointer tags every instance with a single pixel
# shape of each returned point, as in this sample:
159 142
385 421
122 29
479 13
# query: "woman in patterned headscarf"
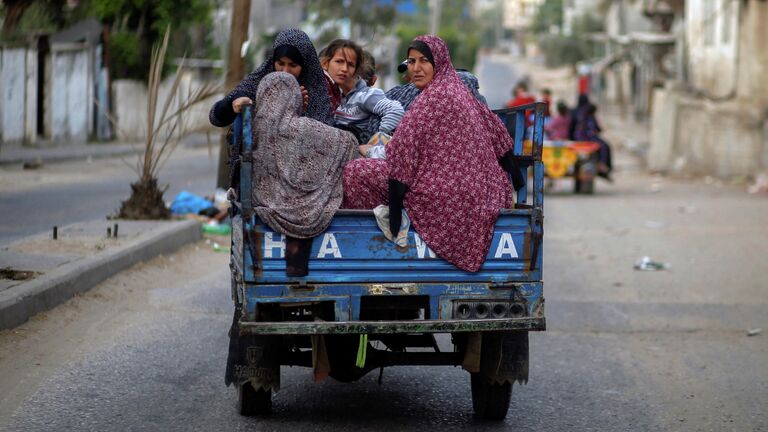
445 163
295 46
297 168
297 161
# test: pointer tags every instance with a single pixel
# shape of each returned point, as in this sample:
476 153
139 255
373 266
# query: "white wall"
753 45
712 29
12 94
71 94
130 107
691 135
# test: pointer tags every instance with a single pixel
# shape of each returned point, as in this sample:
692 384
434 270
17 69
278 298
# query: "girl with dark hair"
340 61
359 101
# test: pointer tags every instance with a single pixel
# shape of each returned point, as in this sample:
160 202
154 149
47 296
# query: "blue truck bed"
352 262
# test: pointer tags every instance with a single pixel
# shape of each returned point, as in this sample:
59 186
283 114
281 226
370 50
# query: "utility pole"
435 8
238 34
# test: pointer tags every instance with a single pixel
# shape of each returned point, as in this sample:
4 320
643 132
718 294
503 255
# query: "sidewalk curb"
21 302
33 156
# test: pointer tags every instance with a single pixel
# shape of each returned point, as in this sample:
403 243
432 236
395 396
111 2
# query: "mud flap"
253 359
504 357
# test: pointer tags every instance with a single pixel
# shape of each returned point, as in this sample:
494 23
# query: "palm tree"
162 137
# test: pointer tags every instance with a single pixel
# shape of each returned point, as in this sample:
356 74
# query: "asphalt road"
32 201
624 351
497 76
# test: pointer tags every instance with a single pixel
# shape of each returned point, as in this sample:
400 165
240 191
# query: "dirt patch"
17 275
82 246
146 202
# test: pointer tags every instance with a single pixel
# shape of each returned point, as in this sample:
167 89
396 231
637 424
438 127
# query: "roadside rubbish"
654 224
647 264
760 184
216 228
754 332
187 202
198 207
686 209
219 248
33 164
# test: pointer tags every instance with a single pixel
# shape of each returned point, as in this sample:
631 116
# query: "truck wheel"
490 401
252 402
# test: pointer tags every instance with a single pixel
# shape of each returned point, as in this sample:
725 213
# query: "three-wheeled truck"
362 288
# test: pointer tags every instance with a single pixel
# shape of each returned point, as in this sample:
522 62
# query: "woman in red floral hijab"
445 163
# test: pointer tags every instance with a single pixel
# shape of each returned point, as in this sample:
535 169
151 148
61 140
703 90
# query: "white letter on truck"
270 244
506 246
421 247
329 246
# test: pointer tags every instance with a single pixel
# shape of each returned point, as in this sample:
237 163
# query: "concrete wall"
696 136
130 107
721 128
753 49
712 38
634 19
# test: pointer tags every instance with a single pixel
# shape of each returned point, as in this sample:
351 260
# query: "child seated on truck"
342 59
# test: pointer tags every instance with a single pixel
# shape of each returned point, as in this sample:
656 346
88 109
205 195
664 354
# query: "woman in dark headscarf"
445 163
292 48
577 113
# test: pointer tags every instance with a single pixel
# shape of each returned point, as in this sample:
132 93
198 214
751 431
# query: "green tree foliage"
550 14
369 18
458 29
134 25
560 49
20 17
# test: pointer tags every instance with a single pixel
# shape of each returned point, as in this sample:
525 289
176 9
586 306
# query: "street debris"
647 264
213 227
754 331
33 164
760 185
17 275
686 209
654 224
218 248
656 187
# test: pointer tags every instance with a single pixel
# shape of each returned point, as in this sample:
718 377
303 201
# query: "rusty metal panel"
441 296
383 327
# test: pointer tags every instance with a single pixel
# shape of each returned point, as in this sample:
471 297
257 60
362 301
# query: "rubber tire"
251 402
490 401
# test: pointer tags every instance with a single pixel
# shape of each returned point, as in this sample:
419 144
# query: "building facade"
714 121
